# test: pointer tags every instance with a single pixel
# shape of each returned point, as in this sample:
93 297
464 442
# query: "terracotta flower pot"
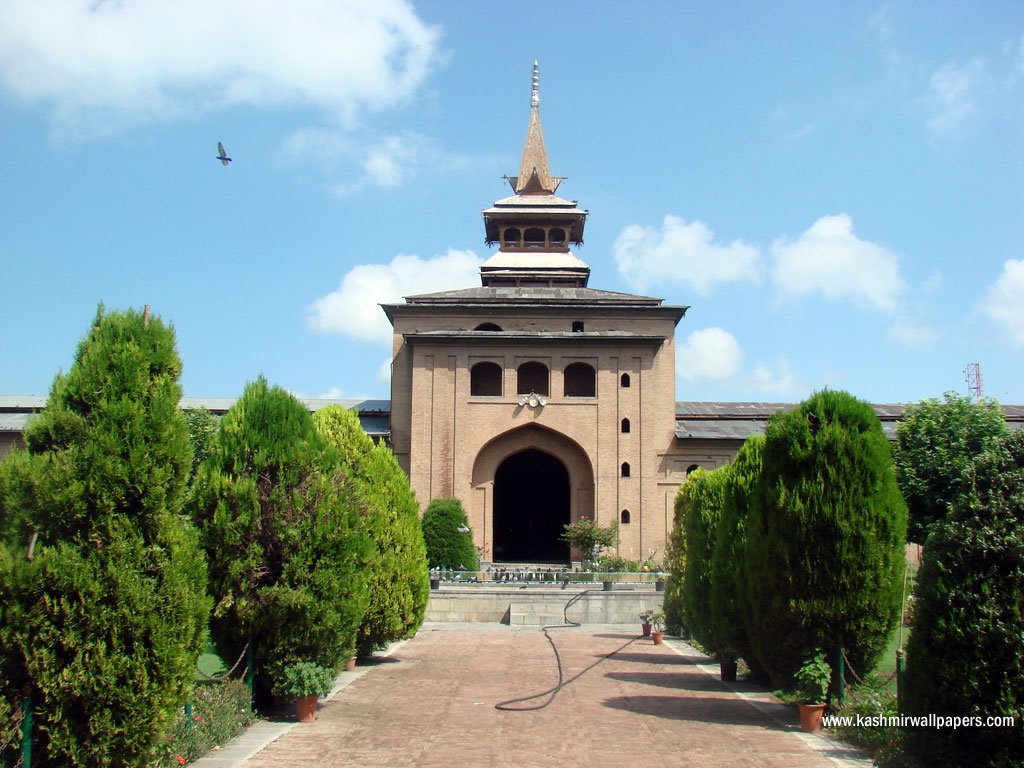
810 717
646 629
305 709
350 664
657 636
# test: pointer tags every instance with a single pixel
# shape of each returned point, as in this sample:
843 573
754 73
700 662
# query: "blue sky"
835 189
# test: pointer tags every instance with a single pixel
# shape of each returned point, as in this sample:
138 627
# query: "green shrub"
675 567
825 537
729 609
281 526
102 624
812 679
304 678
202 431
589 539
398 581
935 445
616 564
701 505
870 699
447 545
965 656
220 712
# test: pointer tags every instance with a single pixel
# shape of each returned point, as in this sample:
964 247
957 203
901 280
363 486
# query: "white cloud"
828 258
912 333
384 371
111 62
385 162
710 353
933 282
782 381
684 254
334 393
952 91
881 23
353 309
1004 301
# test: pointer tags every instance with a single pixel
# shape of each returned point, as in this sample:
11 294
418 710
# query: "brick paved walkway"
432 705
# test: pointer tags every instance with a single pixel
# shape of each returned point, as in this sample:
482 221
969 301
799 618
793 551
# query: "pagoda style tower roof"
534 173
534 228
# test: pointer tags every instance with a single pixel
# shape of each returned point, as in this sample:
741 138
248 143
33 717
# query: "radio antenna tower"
972 373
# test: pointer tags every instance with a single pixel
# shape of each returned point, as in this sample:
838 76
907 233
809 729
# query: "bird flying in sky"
222 155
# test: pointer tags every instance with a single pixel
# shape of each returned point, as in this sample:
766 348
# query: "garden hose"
551 693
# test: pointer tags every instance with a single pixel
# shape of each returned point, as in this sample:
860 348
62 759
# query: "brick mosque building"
535 399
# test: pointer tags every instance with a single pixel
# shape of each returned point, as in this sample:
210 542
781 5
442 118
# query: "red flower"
181 760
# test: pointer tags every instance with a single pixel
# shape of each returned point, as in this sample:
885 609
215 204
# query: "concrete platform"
540 605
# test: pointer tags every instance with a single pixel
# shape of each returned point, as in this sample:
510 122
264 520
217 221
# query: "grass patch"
886 667
210 664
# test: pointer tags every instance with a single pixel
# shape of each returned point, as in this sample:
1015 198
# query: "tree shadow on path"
704 709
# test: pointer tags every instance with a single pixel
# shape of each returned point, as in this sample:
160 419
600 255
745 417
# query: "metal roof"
737 421
531 293
516 337
534 260
534 204
739 429
374 415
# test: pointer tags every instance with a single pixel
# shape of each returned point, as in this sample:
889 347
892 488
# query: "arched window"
625 469
533 237
625 426
532 377
625 380
624 517
580 380
691 468
488 327
557 236
485 379
510 237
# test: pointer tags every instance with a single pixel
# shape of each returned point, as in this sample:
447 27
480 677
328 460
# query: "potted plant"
306 681
645 622
658 627
812 681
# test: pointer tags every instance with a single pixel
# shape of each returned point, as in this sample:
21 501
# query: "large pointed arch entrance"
531 508
528 483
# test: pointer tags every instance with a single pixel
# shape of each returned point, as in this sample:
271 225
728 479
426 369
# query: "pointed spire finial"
535 95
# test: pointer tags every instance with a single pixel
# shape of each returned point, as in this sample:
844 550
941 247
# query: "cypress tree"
102 582
398 579
825 537
447 545
729 608
675 568
701 500
280 521
935 445
965 656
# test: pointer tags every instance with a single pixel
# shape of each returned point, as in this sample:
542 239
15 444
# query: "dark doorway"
531 509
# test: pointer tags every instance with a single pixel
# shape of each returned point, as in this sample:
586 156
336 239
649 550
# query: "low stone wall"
540 606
